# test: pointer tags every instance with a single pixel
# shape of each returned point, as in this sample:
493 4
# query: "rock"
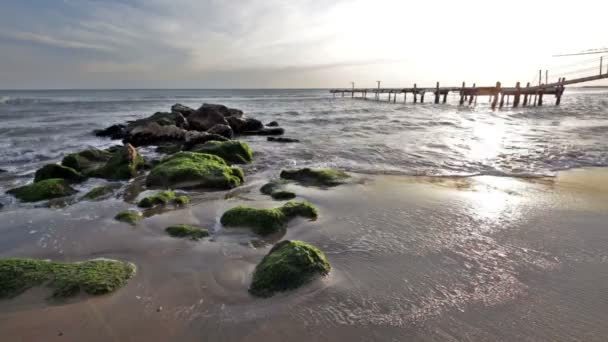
226 112
283 195
319 177
50 171
131 217
87 160
123 165
155 134
159 118
272 124
3 171
282 140
94 277
275 190
186 231
181 121
206 117
199 138
114 132
98 192
43 190
169 148
1 206
288 265
223 130
163 198
267 221
234 151
265 131
195 170
240 125
183 110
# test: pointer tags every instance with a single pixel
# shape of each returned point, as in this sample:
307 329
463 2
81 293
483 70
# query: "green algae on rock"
275 190
123 165
267 221
98 192
233 151
131 217
43 190
187 231
288 265
51 171
163 198
87 160
320 177
95 277
282 195
195 170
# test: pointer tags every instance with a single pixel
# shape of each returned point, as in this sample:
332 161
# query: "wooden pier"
498 95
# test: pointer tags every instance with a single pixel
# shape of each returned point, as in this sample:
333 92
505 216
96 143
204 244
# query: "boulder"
267 221
186 231
282 140
272 124
50 171
234 151
195 170
226 112
114 132
159 118
123 165
163 198
223 130
319 177
169 148
240 125
288 265
275 190
43 190
98 192
87 160
265 131
155 134
131 217
198 138
183 110
206 117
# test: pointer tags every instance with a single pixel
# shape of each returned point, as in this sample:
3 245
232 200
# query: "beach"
425 258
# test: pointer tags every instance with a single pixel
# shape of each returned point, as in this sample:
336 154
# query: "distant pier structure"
499 96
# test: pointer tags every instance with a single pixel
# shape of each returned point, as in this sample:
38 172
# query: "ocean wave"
7 100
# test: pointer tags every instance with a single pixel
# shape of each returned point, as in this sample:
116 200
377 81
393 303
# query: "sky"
59 44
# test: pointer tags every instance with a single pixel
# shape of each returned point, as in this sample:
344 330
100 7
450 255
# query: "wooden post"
422 97
502 100
342 93
517 95
462 94
389 96
526 95
508 97
473 93
496 93
560 91
601 61
404 96
445 96
415 94
540 96
437 93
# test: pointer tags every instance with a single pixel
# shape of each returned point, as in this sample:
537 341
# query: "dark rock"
282 140
160 118
86 161
206 117
320 177
155 134
114 132
51 171
240 125
3 171
223 130
169 148
272 124
226 112
183 110
265 131
201 138
181 121
1 206
123 165
43 190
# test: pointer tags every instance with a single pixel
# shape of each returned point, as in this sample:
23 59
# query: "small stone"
272 124
159 309
282 140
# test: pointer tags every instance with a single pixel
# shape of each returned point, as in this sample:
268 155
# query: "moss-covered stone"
131 217
267 221
169 148
87 160
123 165
282 195
288 265
163 198
43 190
320 177
186 231
275 190
182 200
98 192
234 151
94 277
195 170
50 171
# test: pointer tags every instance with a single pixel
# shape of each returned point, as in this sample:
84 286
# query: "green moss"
270 187
98 192
288 265
183 230
58 171
131 217
322 177
267 221
43 190
94 277
283 195
195 170
233 151
87 160
123 165
161 198
182 200
169 148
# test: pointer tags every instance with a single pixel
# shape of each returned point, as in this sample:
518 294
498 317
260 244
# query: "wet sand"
414 258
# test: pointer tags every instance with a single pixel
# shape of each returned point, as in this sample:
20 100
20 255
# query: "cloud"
51 41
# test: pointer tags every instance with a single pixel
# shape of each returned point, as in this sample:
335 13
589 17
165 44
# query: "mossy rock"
234 152
98 192
163 198
195 170
95 277
283 195
186 231
131 217
87 160
267 221
288 265
275 190
169 148
50 171
320 177
123 165
43 190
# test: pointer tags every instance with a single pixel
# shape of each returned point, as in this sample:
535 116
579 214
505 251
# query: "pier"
499 96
